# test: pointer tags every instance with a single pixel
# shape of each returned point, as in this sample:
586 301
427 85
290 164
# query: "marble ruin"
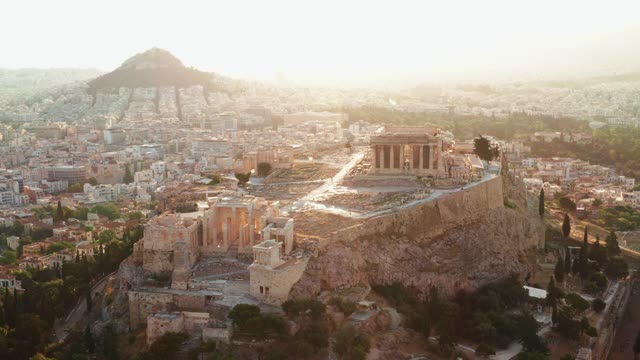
200 255
408 151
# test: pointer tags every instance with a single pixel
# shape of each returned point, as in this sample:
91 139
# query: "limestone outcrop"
459 240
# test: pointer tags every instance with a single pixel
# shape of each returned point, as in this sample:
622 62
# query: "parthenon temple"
416 151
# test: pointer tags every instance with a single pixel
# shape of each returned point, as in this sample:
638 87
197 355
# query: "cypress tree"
559 270
128 178
582 262
89 343
8 314
541 203
597 252
59 212
567 261
575 266
613 248
566 226
551 293
88 297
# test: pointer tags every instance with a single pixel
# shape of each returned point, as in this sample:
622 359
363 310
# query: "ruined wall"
459 240
185 321
160 324
143 304
279 281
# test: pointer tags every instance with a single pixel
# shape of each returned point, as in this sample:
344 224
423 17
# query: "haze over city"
353 43
331 180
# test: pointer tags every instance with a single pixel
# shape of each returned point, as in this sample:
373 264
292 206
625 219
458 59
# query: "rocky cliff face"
462 240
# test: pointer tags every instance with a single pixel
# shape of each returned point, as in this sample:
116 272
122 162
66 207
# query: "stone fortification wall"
458 240
143 304
611 320
432 218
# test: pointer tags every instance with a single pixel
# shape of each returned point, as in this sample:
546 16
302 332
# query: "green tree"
613 248
87 338
577 302
566 226
128 177
552 293
59 212
110 343
135 215
109 210
106 236
598 253
541 203
559 270
598 305
526 355
567 261
243 178
93 181
617 268
351 344
482 148
75 188
567 204
583 265
242 313
636 345
166 347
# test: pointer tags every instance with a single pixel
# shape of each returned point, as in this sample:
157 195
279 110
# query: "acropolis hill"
449 228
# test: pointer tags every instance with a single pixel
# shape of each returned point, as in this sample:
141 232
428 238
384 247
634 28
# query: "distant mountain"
152 68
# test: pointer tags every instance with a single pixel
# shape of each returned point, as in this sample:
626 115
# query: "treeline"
611 146
27 317
494 316
468 126
63 213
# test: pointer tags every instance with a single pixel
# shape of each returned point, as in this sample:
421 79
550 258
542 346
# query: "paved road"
62 328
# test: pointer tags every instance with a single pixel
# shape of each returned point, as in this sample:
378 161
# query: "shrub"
485 350
186 208
242 313
598 305
345 306
295 307
351 344
617 267
577 302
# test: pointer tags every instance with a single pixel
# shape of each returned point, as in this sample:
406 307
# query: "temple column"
381 154
252 230
431 157
421 157
392 158
225 236
234 232
215 232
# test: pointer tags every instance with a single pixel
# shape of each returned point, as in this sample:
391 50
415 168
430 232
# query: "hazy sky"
332 42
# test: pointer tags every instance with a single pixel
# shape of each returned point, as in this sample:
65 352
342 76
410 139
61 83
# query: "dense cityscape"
158 210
